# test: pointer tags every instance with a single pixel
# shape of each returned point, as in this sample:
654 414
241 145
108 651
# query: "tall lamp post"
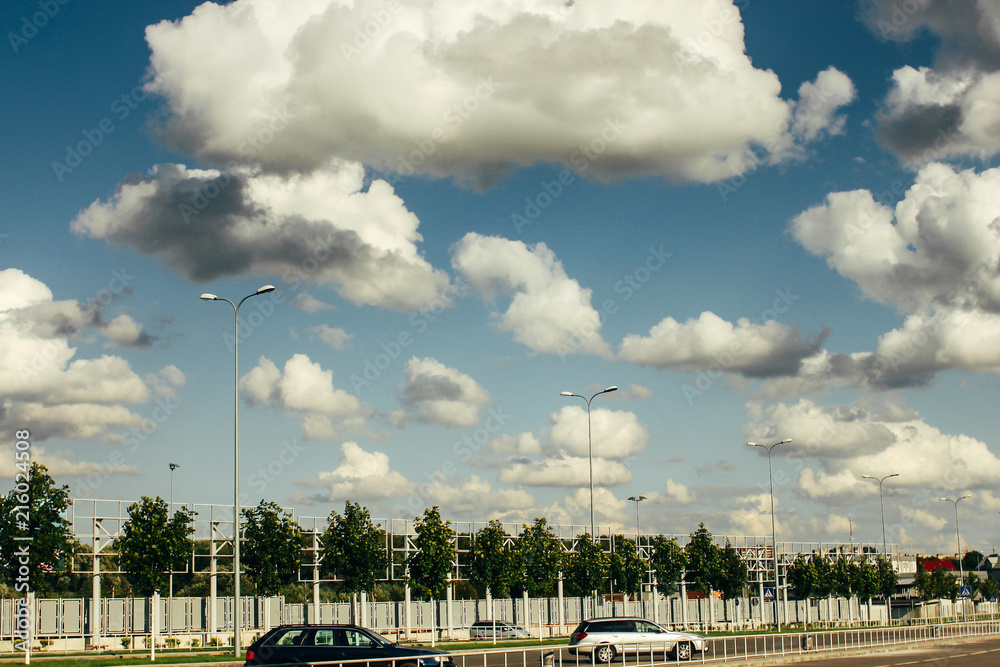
173 467
237 616
590 446
885 549
637 500
958 540
774 534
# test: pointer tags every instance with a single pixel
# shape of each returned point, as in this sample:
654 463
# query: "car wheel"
683 651
605 653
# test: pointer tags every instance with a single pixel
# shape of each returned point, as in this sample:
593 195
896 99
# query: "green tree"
864 580
825 581
491 562
804 580
702 560
971 560
152 544
936 585
586 568
34 508
627 569
668 562
732 572
989 589
430 566
272 548
538 559
886 577
842 577
802 577
354 548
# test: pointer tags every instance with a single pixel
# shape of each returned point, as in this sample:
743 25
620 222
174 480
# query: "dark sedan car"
305 644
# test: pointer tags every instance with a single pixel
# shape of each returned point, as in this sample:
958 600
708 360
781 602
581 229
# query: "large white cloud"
324 227
47 388
305 389
933 256
769 348
851 441
468 90
614 434
442 395
361 475
549 311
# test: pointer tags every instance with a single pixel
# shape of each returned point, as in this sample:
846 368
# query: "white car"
605 638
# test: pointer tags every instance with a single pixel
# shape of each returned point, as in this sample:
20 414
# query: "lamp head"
208 297
751 444
265 288
867 477
610 389
948 499
566 393
174 466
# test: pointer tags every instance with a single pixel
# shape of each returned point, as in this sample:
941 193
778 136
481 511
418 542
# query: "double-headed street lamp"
774 534
958 539
885 550
237 616
637 500
590 446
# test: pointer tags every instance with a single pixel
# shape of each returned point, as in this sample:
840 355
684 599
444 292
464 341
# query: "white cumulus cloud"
549 311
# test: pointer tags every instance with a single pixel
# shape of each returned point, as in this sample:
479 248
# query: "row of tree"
817 577
353 550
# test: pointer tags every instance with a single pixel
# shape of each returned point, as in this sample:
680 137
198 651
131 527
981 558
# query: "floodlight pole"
590 445
958 540
237 616
774 534
885 549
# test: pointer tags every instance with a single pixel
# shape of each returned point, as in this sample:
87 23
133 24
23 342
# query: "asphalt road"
978 653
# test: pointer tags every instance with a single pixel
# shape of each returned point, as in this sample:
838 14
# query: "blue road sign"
768 593
965 592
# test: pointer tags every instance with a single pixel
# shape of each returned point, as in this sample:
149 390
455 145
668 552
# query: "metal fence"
189 620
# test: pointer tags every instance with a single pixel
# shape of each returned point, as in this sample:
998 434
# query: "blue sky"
759 222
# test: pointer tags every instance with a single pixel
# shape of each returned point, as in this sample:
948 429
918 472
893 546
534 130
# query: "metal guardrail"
719 650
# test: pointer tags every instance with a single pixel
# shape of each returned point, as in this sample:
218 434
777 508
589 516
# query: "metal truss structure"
96 523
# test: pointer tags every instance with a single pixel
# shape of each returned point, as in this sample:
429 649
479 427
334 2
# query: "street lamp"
774 534
590 445
958 539
173 467
885 549
237 616
637 500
